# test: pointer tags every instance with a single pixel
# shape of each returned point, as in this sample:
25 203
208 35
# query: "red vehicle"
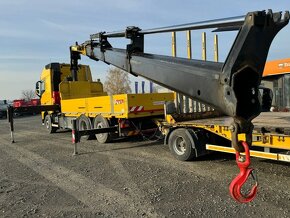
23 103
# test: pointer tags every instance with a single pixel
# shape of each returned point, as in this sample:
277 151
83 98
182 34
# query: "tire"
84 123
48 124
101 122
181 145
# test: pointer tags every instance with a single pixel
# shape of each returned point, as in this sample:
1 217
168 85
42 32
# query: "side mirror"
38 88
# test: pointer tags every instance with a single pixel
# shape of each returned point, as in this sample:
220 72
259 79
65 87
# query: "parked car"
3 108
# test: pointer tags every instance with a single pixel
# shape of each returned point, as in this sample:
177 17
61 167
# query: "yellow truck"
87 102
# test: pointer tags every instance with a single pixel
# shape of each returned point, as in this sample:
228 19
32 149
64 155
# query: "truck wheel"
84 123
98 123
181 145
48 124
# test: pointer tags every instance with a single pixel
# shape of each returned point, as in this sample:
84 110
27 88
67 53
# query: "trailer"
191 136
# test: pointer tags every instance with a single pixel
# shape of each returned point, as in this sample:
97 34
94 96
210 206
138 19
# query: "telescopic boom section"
230 87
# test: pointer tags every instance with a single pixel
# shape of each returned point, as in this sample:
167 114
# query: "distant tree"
117 82
27 94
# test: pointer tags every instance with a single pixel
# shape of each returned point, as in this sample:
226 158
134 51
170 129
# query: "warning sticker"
119 101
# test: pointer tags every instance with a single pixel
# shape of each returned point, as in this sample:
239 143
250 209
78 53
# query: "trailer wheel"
84 123
48 124
181 145
98 123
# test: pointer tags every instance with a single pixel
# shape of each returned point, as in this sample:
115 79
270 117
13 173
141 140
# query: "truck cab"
56 77
52 75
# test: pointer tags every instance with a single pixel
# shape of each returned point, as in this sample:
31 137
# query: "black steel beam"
232 87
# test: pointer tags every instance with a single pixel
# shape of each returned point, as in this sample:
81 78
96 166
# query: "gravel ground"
39 177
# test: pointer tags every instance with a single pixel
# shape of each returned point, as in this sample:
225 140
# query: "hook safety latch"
239 181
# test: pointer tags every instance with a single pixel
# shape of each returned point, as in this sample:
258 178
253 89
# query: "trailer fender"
191 135
198 139
166 137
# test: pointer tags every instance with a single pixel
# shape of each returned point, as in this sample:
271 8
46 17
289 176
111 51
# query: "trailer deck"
271 138
279 121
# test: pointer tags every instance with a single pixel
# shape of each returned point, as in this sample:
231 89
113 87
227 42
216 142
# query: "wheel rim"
179 146
47 123
100 126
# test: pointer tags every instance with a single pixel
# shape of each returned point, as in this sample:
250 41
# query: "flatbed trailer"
126 106
189 138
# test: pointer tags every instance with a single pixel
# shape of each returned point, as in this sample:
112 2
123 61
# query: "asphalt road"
39 177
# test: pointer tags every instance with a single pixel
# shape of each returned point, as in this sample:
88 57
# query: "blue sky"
34 33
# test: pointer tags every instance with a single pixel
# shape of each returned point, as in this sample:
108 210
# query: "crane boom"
230 87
